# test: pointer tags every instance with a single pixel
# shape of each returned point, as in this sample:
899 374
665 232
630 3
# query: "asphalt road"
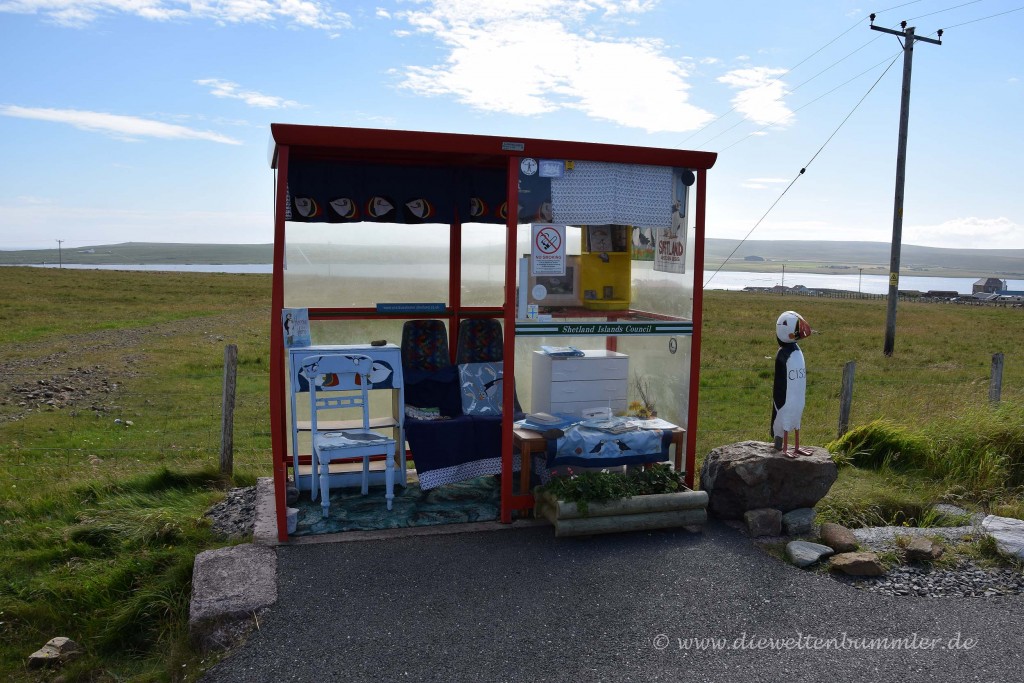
521 605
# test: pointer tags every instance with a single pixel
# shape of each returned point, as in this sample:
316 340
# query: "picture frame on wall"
605 238
556 290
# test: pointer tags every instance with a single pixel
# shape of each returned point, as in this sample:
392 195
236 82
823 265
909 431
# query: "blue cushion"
480 385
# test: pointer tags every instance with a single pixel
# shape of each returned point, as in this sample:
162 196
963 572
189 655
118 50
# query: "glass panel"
363 264
483 264
630 247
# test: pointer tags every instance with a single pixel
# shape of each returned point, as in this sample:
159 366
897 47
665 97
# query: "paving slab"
231 587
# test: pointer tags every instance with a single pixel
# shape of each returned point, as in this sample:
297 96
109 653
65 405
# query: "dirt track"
65 379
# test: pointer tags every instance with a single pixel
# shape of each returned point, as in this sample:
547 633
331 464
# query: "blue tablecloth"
585 447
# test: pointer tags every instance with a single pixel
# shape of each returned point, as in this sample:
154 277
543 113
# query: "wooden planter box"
655 511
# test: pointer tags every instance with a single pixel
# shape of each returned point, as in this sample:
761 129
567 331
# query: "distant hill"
873 257
143 253
755 255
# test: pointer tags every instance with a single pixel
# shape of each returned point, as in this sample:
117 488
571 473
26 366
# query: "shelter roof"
455 149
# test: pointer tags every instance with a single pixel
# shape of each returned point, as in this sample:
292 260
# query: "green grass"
101 521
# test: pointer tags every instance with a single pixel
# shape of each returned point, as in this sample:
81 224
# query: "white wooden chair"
340 381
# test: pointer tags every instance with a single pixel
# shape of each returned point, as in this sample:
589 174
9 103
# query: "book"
543 418
295 322
544 422
612 425
599 237
566 351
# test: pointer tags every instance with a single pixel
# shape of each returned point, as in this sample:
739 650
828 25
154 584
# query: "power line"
781 76
974 21
791 91
807 104
940 11
797 65
802 171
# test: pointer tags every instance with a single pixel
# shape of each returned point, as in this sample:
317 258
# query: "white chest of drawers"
597 379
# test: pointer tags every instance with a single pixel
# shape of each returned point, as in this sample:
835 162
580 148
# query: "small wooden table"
530 442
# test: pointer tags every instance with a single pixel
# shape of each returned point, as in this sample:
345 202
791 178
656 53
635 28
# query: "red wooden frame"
303 143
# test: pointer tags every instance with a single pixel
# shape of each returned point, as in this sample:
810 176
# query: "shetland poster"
670 243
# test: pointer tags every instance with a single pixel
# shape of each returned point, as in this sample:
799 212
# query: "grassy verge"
104 494
923 428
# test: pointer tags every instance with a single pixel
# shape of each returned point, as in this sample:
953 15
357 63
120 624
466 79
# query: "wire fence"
737 407
105 429
84 426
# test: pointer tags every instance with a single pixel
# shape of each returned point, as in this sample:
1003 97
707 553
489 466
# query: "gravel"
235 516
963 580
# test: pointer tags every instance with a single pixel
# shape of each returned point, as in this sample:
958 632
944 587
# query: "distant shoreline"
793 257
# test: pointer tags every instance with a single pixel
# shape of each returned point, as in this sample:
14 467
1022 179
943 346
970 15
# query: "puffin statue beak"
803 329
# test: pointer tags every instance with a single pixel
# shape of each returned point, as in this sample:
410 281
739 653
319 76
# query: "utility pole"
901 168
60 254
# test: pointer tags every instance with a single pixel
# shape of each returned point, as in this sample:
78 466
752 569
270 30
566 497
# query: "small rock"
857 564
763 522
799 521
56 651
923 550
838 537
805 553
948 510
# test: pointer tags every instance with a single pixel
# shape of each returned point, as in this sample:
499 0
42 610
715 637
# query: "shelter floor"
475 500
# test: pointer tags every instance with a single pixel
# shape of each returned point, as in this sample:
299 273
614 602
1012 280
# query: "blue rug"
476 500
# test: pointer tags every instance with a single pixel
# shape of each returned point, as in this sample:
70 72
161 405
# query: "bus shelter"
577 251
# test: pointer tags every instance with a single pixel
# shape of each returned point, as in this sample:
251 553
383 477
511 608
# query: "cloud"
538 56
122 127
762 183
227 89
967 233
316 14
759 96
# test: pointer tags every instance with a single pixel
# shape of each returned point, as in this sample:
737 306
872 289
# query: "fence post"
995 386
846 398
227 423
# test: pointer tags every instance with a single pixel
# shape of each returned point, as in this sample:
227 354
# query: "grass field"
102 519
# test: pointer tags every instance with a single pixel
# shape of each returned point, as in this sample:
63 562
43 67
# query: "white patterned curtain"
596 192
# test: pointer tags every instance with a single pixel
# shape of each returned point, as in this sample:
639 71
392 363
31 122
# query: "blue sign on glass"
411 308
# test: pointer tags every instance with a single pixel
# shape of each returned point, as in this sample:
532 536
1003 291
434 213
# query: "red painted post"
278 441
698 314
509 352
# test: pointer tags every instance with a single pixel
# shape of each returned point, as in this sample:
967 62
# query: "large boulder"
752 474
1008 534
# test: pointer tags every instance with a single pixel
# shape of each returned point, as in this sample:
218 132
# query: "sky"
149 120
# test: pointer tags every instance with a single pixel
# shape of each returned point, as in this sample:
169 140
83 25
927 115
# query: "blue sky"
148 120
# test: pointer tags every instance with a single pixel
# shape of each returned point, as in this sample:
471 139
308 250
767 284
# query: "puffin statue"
790 383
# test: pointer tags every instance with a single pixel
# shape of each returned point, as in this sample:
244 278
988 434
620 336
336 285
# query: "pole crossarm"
903 33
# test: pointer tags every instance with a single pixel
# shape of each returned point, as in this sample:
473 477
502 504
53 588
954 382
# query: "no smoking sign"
548 254
548 240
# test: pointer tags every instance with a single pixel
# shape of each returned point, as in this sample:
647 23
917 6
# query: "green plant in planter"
605 486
